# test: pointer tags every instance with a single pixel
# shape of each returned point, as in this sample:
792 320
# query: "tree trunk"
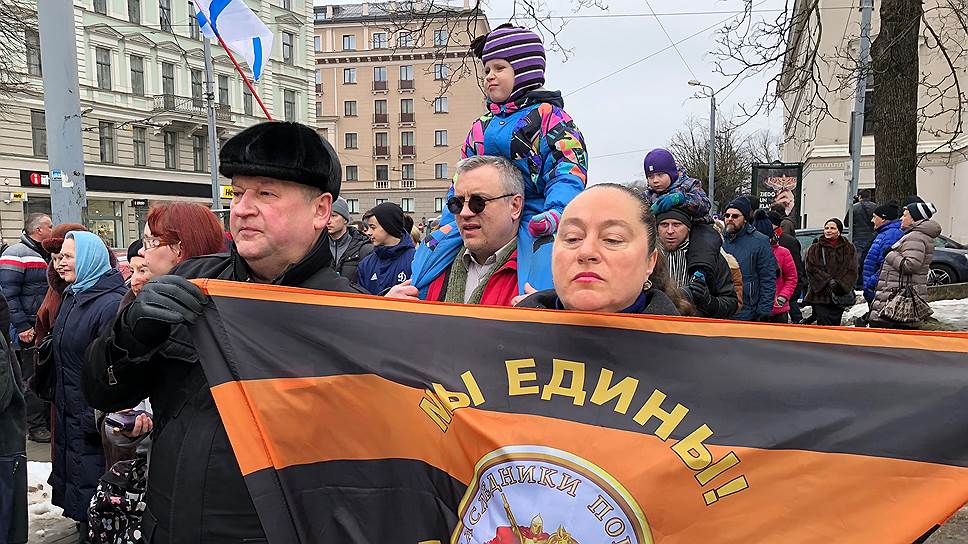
896 75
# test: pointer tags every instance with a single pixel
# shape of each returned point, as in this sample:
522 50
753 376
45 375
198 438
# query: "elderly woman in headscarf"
90 303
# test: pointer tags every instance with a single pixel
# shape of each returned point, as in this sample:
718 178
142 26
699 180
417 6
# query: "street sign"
139 203
18 196
226 191
58 177
37 179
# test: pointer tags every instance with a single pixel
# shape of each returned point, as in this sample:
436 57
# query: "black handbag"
42 381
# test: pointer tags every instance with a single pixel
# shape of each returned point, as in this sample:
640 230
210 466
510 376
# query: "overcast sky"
643 106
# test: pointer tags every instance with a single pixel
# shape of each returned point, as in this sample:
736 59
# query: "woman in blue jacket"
90 305
389 264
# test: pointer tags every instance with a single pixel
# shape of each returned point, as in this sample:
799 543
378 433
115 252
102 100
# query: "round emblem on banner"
540 495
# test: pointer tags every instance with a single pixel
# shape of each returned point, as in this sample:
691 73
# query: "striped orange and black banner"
359 419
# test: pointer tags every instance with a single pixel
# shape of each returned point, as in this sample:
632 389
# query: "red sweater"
501 288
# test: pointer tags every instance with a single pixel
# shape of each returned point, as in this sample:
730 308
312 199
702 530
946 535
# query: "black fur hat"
285 151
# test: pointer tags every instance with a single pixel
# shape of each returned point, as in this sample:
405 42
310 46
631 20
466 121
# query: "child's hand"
667 202
544 223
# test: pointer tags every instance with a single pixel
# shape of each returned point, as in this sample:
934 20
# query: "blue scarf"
91 260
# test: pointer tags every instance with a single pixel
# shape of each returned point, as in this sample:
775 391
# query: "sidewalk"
46 524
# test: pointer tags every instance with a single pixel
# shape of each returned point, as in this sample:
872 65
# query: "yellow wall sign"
226 191
19 196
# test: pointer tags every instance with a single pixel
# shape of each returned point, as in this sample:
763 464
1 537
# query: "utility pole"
212 138
857 118
62 110
712 141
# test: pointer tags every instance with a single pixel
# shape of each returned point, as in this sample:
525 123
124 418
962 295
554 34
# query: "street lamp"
712 140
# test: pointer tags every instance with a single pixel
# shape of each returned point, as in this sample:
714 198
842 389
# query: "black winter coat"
347 262
195 493
796 251
13 445
78 459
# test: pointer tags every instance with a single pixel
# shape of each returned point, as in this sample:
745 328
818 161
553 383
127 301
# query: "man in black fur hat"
284 179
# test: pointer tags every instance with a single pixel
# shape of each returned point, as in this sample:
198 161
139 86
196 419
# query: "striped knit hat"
921 210
524 52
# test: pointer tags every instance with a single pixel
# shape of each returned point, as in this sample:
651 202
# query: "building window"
289 105
441 71
407 171
352 173
405 39
167 78
38 132
106 141
349 108
382 173
349 42
287 48
197 86
134 11
287 4
438 204
440 171
380 73
171 149
440 138
406 73
164 14
140 137
380 106
407 204
103 59
440 104
441 37
319 109
380 40
317 43
137 75
223 90
101 6
32 42
247 100
406 138
406 105
198 152
349 76
353 204
194 30
351 141
379 201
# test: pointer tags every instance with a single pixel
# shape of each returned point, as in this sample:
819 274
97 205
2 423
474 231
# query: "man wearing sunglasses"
487 203
756 261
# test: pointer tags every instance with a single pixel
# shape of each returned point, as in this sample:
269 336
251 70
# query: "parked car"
949 265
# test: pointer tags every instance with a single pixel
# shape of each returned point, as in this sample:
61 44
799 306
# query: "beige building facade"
396 99
141 72
823 145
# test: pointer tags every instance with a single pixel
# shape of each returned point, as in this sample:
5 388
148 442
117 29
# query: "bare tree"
17 19
907 102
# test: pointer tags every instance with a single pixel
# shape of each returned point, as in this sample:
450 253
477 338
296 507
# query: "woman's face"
66 261
160 257
498 80
601 260
906 219
139 273
830 230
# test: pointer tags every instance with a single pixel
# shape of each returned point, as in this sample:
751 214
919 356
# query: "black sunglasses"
476 203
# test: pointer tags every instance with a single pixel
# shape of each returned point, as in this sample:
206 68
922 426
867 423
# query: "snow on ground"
42 515
951 313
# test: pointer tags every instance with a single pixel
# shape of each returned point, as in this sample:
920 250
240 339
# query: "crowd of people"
112 373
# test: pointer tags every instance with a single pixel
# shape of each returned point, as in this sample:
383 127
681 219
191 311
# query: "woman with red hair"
175 231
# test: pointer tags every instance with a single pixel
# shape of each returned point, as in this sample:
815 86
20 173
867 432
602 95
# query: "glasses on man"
476 203
732 215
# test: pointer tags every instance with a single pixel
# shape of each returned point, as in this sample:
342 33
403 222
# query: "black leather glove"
163 302
699 293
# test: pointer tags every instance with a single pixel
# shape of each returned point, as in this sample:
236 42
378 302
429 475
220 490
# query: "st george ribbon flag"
241 29
363 420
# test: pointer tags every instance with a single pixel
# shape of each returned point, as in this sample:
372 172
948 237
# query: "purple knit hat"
524 52
660 160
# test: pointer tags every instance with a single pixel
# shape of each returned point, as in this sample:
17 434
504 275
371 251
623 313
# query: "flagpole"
244 78
212 144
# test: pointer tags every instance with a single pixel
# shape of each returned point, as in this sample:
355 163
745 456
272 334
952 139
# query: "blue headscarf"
91 261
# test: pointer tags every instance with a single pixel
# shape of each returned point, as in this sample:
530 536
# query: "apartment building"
396 93
823 145
141 72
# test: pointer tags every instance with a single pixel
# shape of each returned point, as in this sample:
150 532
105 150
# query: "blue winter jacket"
386 266
756 261
887 235
23 275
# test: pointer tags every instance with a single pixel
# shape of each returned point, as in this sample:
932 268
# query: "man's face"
878 221
336 226
672 234
274 220
734 220
44 230
377 234
486 232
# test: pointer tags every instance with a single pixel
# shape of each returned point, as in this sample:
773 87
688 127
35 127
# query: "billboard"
779 183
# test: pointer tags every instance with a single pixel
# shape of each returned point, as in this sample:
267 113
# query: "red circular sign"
34 178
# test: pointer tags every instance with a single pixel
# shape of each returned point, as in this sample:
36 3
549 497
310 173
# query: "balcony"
406 85
408 151
406 117
381 151
408 184
380 85
173 107
381 118
381 184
